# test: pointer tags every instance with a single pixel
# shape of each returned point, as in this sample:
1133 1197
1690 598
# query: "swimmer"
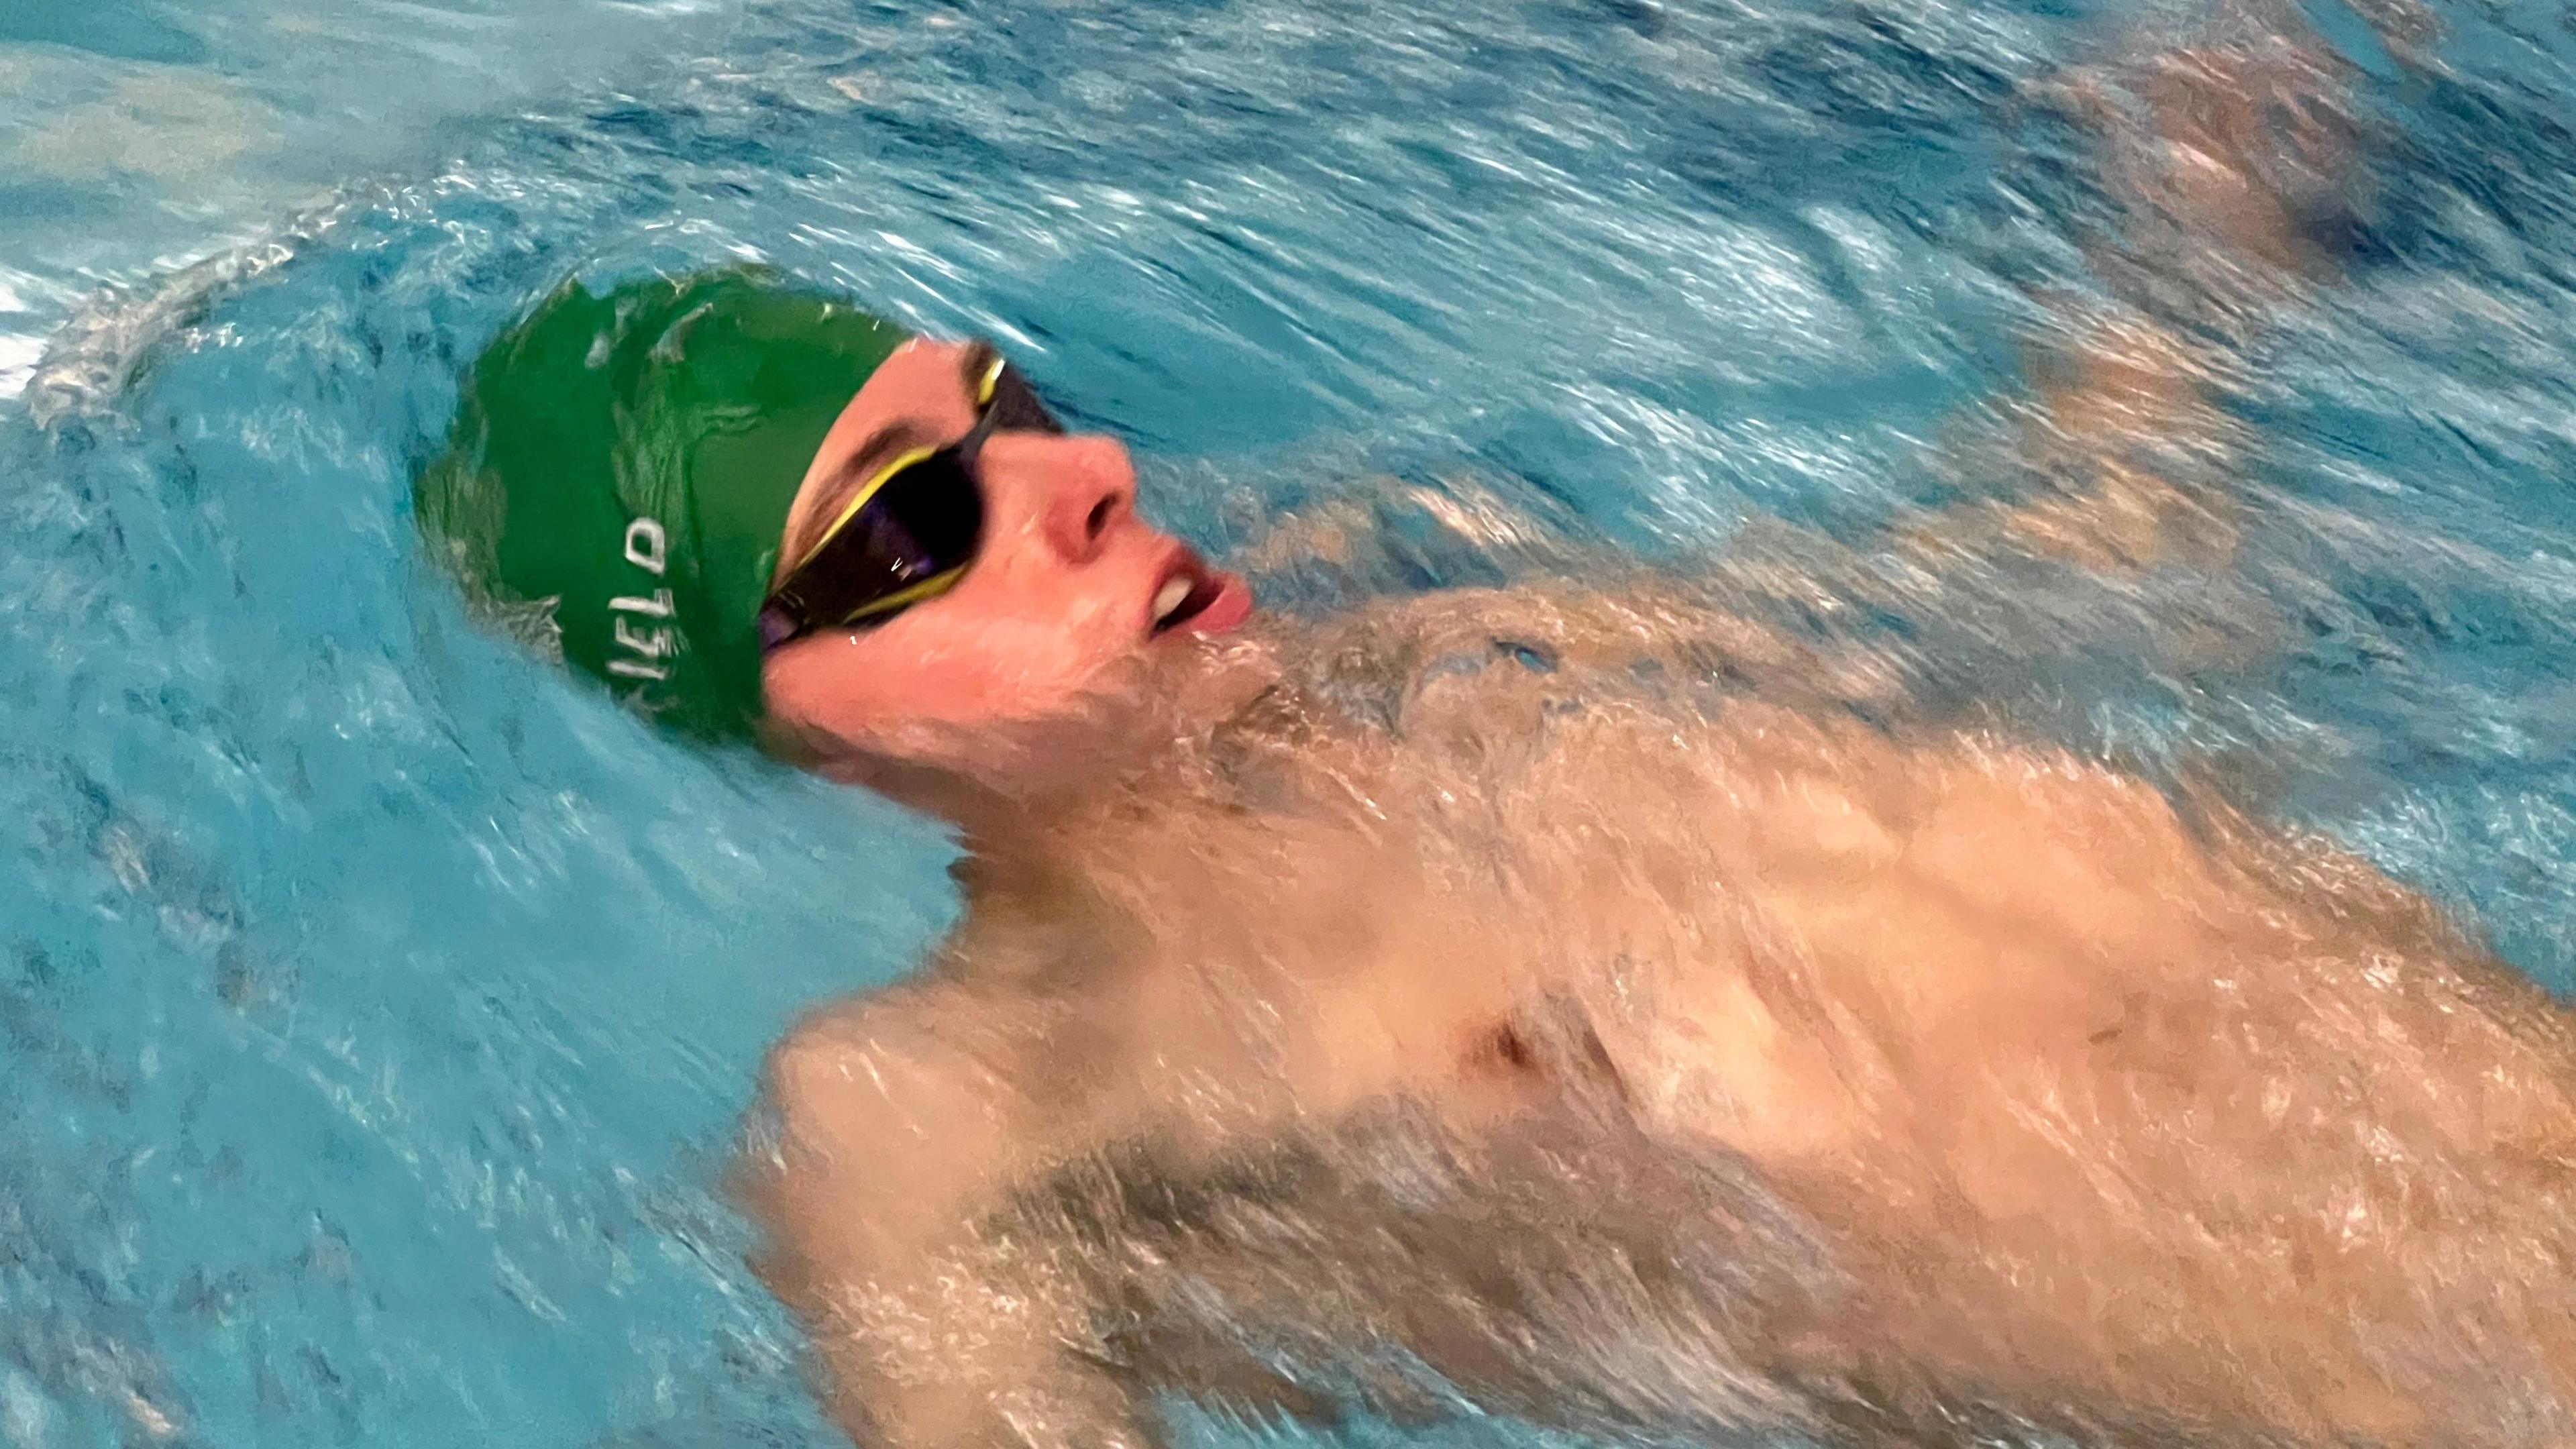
1550 998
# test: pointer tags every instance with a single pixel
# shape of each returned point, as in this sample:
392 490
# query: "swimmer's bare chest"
1940 993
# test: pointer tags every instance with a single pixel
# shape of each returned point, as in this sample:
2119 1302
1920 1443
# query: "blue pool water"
375 1008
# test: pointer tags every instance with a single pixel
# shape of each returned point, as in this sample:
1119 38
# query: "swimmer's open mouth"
1187 591
1192 598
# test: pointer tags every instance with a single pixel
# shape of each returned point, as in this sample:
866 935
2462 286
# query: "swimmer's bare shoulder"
895 1120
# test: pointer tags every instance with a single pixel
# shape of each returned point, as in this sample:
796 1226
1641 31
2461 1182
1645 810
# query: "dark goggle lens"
914 534
922 522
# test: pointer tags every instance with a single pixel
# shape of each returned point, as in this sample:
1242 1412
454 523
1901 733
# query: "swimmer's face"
1067 581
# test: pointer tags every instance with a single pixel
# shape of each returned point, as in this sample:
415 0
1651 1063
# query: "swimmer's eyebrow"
972 363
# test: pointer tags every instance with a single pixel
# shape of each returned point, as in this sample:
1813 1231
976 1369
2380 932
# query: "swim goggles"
908 533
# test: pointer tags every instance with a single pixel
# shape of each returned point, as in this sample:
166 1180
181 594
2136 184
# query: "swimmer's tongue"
621 469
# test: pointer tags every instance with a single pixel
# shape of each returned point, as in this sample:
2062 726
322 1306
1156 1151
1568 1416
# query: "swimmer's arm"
2124 445
2131 456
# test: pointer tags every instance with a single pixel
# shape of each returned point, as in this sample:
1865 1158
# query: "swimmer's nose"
1090 491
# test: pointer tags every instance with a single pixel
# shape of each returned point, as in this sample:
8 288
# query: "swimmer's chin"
1150 703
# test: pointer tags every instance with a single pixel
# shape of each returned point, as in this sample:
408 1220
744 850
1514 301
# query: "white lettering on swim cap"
651 646
652 643
646 547
646 654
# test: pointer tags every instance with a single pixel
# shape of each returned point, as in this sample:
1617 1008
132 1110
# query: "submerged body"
1573 995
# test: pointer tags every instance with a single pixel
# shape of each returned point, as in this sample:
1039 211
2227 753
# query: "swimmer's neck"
1007 786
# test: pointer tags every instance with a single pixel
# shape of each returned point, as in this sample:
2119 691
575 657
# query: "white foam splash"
85 365
19 353
19 349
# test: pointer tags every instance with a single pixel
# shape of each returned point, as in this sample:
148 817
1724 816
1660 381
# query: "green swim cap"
621 467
